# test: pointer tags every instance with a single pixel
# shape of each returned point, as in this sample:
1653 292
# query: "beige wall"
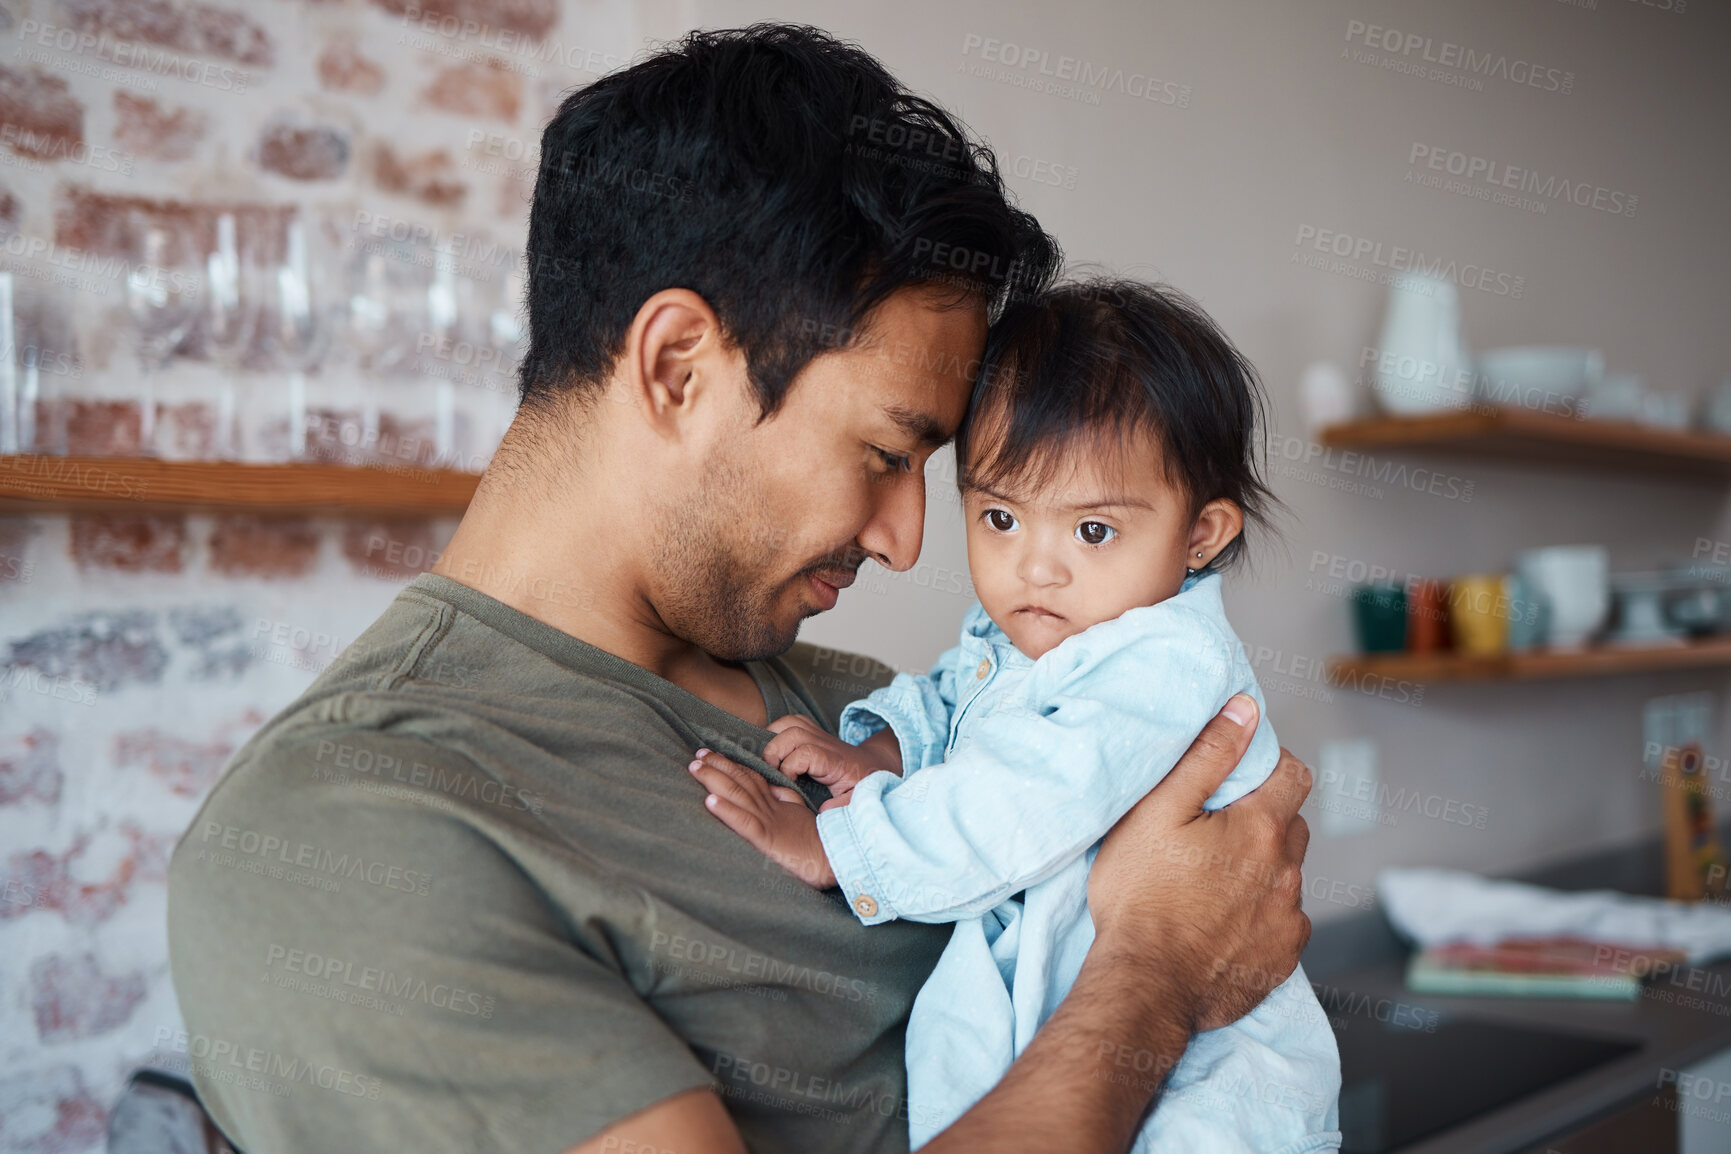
1286 128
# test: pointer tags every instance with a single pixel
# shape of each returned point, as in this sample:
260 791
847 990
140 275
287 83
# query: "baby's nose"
1041 568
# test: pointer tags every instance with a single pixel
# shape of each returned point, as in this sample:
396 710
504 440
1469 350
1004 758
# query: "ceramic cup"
1380 613
1479 614
1716 411
1615 397
1326 395
1575 580
1529 615
1427 617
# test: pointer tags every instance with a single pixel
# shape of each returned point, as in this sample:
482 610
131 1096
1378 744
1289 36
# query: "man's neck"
557 549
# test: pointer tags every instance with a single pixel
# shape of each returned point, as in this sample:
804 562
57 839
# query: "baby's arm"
1037 786
899 728
911 714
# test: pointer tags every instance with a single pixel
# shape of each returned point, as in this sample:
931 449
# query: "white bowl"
1540 379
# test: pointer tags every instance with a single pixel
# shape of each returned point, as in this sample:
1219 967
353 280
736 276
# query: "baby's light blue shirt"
1012 771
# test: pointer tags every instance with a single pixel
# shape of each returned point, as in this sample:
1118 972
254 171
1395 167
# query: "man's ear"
674 361
1219 522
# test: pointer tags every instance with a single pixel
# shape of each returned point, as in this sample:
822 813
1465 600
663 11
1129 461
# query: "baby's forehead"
1075 476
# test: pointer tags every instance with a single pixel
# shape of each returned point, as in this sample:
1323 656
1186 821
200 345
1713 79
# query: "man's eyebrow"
922 427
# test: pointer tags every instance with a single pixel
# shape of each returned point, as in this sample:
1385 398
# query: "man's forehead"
923 357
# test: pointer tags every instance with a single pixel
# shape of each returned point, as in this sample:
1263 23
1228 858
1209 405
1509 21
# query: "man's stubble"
720 578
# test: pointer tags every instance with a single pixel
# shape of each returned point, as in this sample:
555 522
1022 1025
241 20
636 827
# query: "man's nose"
898 524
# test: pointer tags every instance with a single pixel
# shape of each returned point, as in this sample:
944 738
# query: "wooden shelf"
1427 668
1532 437
40 484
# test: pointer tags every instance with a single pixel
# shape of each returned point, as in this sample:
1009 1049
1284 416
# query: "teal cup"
1379 612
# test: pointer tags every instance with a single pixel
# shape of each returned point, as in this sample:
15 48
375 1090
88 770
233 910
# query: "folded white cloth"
1433 906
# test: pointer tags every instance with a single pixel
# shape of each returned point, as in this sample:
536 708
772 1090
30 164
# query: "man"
464 894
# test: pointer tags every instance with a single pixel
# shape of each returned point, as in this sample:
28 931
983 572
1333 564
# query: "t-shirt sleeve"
361 970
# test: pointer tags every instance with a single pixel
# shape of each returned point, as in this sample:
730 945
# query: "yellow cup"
1479 614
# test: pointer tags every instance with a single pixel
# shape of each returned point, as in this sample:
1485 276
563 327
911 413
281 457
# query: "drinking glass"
10 411
389 301
443 339
229 320
294 333
507 332
42 359
163 285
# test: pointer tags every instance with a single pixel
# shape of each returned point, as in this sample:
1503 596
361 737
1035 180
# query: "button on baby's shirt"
985 668
865 906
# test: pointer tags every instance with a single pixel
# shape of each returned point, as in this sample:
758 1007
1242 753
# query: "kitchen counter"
1680 1020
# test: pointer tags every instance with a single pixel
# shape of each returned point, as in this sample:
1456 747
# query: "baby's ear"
1217 525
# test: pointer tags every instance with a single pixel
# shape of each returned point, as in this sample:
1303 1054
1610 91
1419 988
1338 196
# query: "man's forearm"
1085 1082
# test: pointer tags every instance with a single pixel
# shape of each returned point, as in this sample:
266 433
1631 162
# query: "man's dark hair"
783 175
1112 356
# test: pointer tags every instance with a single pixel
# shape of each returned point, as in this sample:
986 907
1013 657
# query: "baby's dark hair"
1118 356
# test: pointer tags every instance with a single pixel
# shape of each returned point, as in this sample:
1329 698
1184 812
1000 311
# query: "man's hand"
802 746
1210 900
773 818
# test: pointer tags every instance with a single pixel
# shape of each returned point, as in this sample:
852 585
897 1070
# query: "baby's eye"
1000 519
1094 533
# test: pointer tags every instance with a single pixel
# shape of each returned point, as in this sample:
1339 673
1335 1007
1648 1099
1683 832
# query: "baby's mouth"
1040 613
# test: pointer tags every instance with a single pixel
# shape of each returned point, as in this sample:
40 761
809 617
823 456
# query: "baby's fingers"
792 732
742 821
723 778
801 760
790 721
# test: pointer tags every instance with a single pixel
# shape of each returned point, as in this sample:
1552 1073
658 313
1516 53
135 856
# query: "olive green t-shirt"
463 895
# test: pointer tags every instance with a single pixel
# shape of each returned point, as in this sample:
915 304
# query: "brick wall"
138 651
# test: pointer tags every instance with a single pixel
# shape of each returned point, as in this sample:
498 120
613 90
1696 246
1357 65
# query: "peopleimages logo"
1415 47
1384 260
36 146
154 60
1067 76
1544 188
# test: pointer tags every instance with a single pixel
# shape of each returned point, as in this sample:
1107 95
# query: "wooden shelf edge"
45 484
1603 661
1507 432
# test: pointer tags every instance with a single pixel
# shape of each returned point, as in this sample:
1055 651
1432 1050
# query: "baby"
1107 468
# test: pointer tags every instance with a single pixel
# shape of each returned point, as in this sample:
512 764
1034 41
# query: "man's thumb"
1216 751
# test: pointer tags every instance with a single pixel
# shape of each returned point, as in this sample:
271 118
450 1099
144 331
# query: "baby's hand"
772 818
802 746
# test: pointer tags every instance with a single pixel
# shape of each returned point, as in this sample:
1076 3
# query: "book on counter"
1560 967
